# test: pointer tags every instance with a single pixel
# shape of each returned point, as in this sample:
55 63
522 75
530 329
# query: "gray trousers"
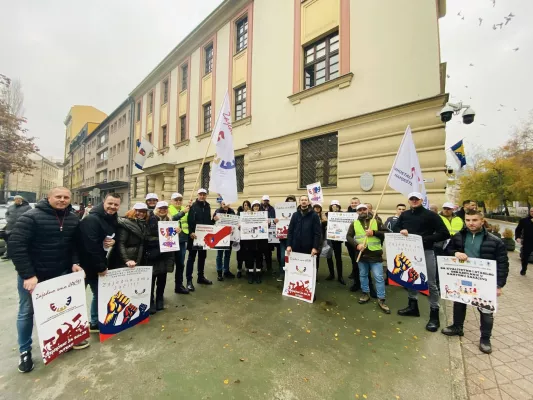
431 266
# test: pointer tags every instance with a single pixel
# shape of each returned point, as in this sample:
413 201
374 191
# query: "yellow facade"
387 81
76 118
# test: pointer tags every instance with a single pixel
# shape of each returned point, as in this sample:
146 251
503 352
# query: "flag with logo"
223 178
144 149
458 152
406 175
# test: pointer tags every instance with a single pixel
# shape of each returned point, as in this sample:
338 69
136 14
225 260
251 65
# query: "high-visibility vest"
184 224
454 226
373 243
173 210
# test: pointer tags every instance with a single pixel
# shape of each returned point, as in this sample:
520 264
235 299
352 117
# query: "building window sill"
341 82
203 136
242 121
163 150
182 143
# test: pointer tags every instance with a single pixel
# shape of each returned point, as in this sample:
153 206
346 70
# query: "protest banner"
168 236
470 282
406 262
338 225
300 277
212 237
314 191
123 299
272 238
254 225
233 221
284 213
60 310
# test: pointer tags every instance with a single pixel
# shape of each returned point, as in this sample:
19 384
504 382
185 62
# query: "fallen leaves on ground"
185 330
226 381
306 379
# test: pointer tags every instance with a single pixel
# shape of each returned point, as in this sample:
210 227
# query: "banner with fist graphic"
123 299
406 262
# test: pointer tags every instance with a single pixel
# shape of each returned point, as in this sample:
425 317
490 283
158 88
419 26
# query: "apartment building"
107 161
321 90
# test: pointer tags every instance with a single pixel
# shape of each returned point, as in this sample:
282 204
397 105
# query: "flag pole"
381 198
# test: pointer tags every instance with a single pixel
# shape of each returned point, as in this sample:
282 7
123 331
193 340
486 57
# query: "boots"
251 276
258 276
152 310
487 322
331 275
220 277
411 310
459 314
159 303
339 275
434 321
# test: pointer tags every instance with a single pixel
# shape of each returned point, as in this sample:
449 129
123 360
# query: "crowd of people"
51 240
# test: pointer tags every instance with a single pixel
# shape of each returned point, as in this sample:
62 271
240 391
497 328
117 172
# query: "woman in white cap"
335 206
243 253
162 263
151 201
256 249
131 233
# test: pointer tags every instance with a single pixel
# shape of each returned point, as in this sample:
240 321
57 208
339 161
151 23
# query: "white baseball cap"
140 206
161 204
202 191
448 205
335 203
151 196
415 194
265 197
176 196
362 205
256 202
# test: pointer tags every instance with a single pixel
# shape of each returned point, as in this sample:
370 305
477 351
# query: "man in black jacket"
43 247
223 255
524 236
304 230
475 242
421 221
467 206
200 213
14 211
97 231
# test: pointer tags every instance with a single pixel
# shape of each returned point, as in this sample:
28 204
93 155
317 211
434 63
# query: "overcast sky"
95 52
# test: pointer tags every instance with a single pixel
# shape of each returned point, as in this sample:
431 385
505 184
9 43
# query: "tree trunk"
505 208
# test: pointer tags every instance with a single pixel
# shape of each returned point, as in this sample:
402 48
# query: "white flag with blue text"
223 178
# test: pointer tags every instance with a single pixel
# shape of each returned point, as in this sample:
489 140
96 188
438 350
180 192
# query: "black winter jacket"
93 230
524 230
423 222
305 232
130 242
39 247
270 210
13 213
492 248
200 213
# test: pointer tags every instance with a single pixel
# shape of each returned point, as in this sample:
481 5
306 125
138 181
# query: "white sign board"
254 225
168 236
233 221
60 310
470 282
314 191
284 213
272 238
338 225
406 262
212 237
300 277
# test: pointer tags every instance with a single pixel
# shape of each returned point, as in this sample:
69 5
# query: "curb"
457 366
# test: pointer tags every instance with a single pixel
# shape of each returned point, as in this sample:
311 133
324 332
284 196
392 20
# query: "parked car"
3 209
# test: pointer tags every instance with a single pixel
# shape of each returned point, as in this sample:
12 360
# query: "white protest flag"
223 174
144 149
405 175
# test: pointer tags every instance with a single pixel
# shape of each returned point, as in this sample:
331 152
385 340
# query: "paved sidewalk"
508 372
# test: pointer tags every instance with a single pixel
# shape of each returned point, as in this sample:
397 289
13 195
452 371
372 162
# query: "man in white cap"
265 206
453 223
151 201
175 206
421 221
200 213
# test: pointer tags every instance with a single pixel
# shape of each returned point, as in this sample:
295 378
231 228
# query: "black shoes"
341 280
202 280
220 278
159 303
94 328
25 362
251 276
355 287
190 286
523 272
434 321
330 277
181 290
258 277
411 310
453 330
152 310
229 275
485 346
239 274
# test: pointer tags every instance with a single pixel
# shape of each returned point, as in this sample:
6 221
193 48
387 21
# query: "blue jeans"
377 272
93 283
180 264
282 248
25 317
227 255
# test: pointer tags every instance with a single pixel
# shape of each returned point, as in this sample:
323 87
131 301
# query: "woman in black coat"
337 250
243 252
131 231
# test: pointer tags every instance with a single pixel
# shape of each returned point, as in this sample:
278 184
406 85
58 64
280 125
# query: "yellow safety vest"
173 210
184 224
454 226
373 243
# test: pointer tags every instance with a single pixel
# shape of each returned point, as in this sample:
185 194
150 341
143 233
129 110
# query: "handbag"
327 250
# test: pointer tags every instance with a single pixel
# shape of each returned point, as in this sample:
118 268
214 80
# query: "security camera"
446 113
449 170
468 116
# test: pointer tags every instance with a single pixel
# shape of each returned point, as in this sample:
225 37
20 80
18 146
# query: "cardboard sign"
233 221
300 277
272 238
284 212
212 237
314 191
168 236
338 225
254 225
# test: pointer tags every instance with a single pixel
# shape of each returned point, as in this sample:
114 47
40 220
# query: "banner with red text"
300 277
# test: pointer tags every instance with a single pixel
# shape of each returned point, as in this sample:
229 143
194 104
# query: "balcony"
102 145
101 164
